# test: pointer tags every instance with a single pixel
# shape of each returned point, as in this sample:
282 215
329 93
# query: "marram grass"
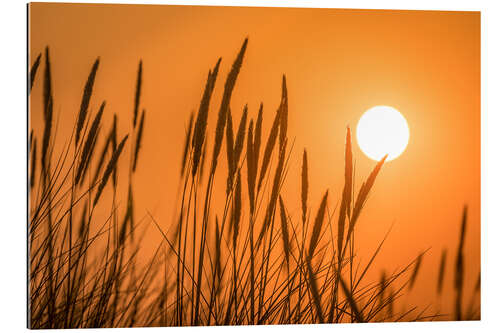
234 266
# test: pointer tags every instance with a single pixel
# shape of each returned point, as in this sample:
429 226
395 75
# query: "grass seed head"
84 106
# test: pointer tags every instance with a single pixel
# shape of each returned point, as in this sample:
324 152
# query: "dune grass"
231 267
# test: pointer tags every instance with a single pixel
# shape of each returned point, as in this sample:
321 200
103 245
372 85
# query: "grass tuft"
222 261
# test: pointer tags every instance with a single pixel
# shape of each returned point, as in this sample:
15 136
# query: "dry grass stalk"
237 210
89 143
128 220
30 142
47 112
258 136
138 86
274 195
90 156
112 164
348 173
224 107
87 93
102 156
304 187
47 83
251 172
240 137
230 151
477 287
345 204
200 126
318 223
459 267
271 141
363 195
46 136
442 267
186 143
203 158
114 144
383 286
416 270
33 71
217 250
33 164
139 139
283 112
284 231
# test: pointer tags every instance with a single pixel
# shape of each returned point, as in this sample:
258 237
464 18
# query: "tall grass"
232 266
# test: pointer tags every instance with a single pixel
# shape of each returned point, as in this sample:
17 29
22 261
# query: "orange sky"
338 64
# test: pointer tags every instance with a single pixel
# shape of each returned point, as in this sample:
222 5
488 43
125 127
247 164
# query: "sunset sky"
338 64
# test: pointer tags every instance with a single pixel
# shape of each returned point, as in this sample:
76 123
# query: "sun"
382 130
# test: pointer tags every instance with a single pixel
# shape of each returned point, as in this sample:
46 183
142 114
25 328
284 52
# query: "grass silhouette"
245 265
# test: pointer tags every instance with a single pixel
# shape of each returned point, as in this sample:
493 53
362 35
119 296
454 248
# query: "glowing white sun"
382 130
